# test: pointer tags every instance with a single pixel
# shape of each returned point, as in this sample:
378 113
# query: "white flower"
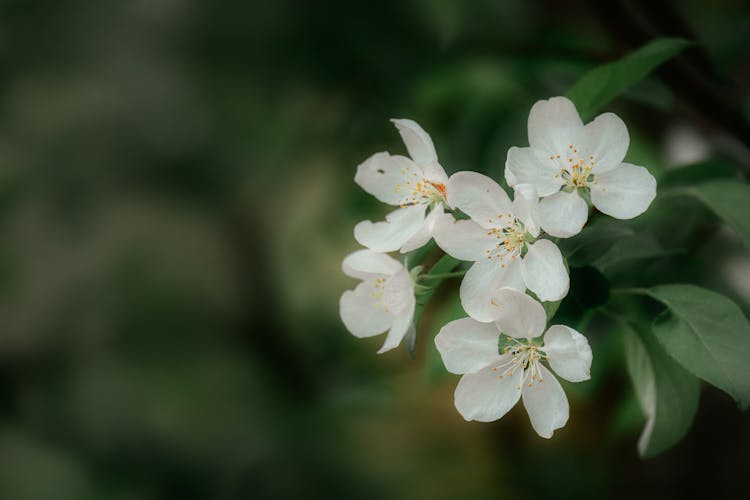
566 157
415 184
383 301
495 378
498 239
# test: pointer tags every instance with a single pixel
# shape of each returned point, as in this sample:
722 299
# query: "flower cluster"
499 349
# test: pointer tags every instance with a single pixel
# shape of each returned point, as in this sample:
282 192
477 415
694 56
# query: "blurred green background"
176 196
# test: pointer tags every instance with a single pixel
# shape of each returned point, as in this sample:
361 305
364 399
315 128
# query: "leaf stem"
456 274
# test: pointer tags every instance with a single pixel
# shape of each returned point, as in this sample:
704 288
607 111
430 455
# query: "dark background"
176 196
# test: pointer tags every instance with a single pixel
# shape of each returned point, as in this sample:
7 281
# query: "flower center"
525 355
576 168
420 191
510 241
378 290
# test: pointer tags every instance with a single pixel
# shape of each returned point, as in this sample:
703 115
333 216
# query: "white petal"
553 125
361 314
607 140
400 327
385 177
417 141
398 293
480 198
546 404
563 214
363 264
462 239
510 177
425 233
533 166
434 172
544 272
467 346
526 207
480 284
432 218
400 226
625 192
484 396
518 314
569 353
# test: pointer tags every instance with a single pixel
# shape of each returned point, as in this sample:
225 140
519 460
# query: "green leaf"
630 251
690 175
730 200
667 394
593 242
415 257
602 84
708 335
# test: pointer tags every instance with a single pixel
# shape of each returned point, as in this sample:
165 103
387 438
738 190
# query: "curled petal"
546 404
363 264
526 207
400 328
485 396
480 284
625 192
417 141
399 226
361 314
398 293
569 353
425 233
